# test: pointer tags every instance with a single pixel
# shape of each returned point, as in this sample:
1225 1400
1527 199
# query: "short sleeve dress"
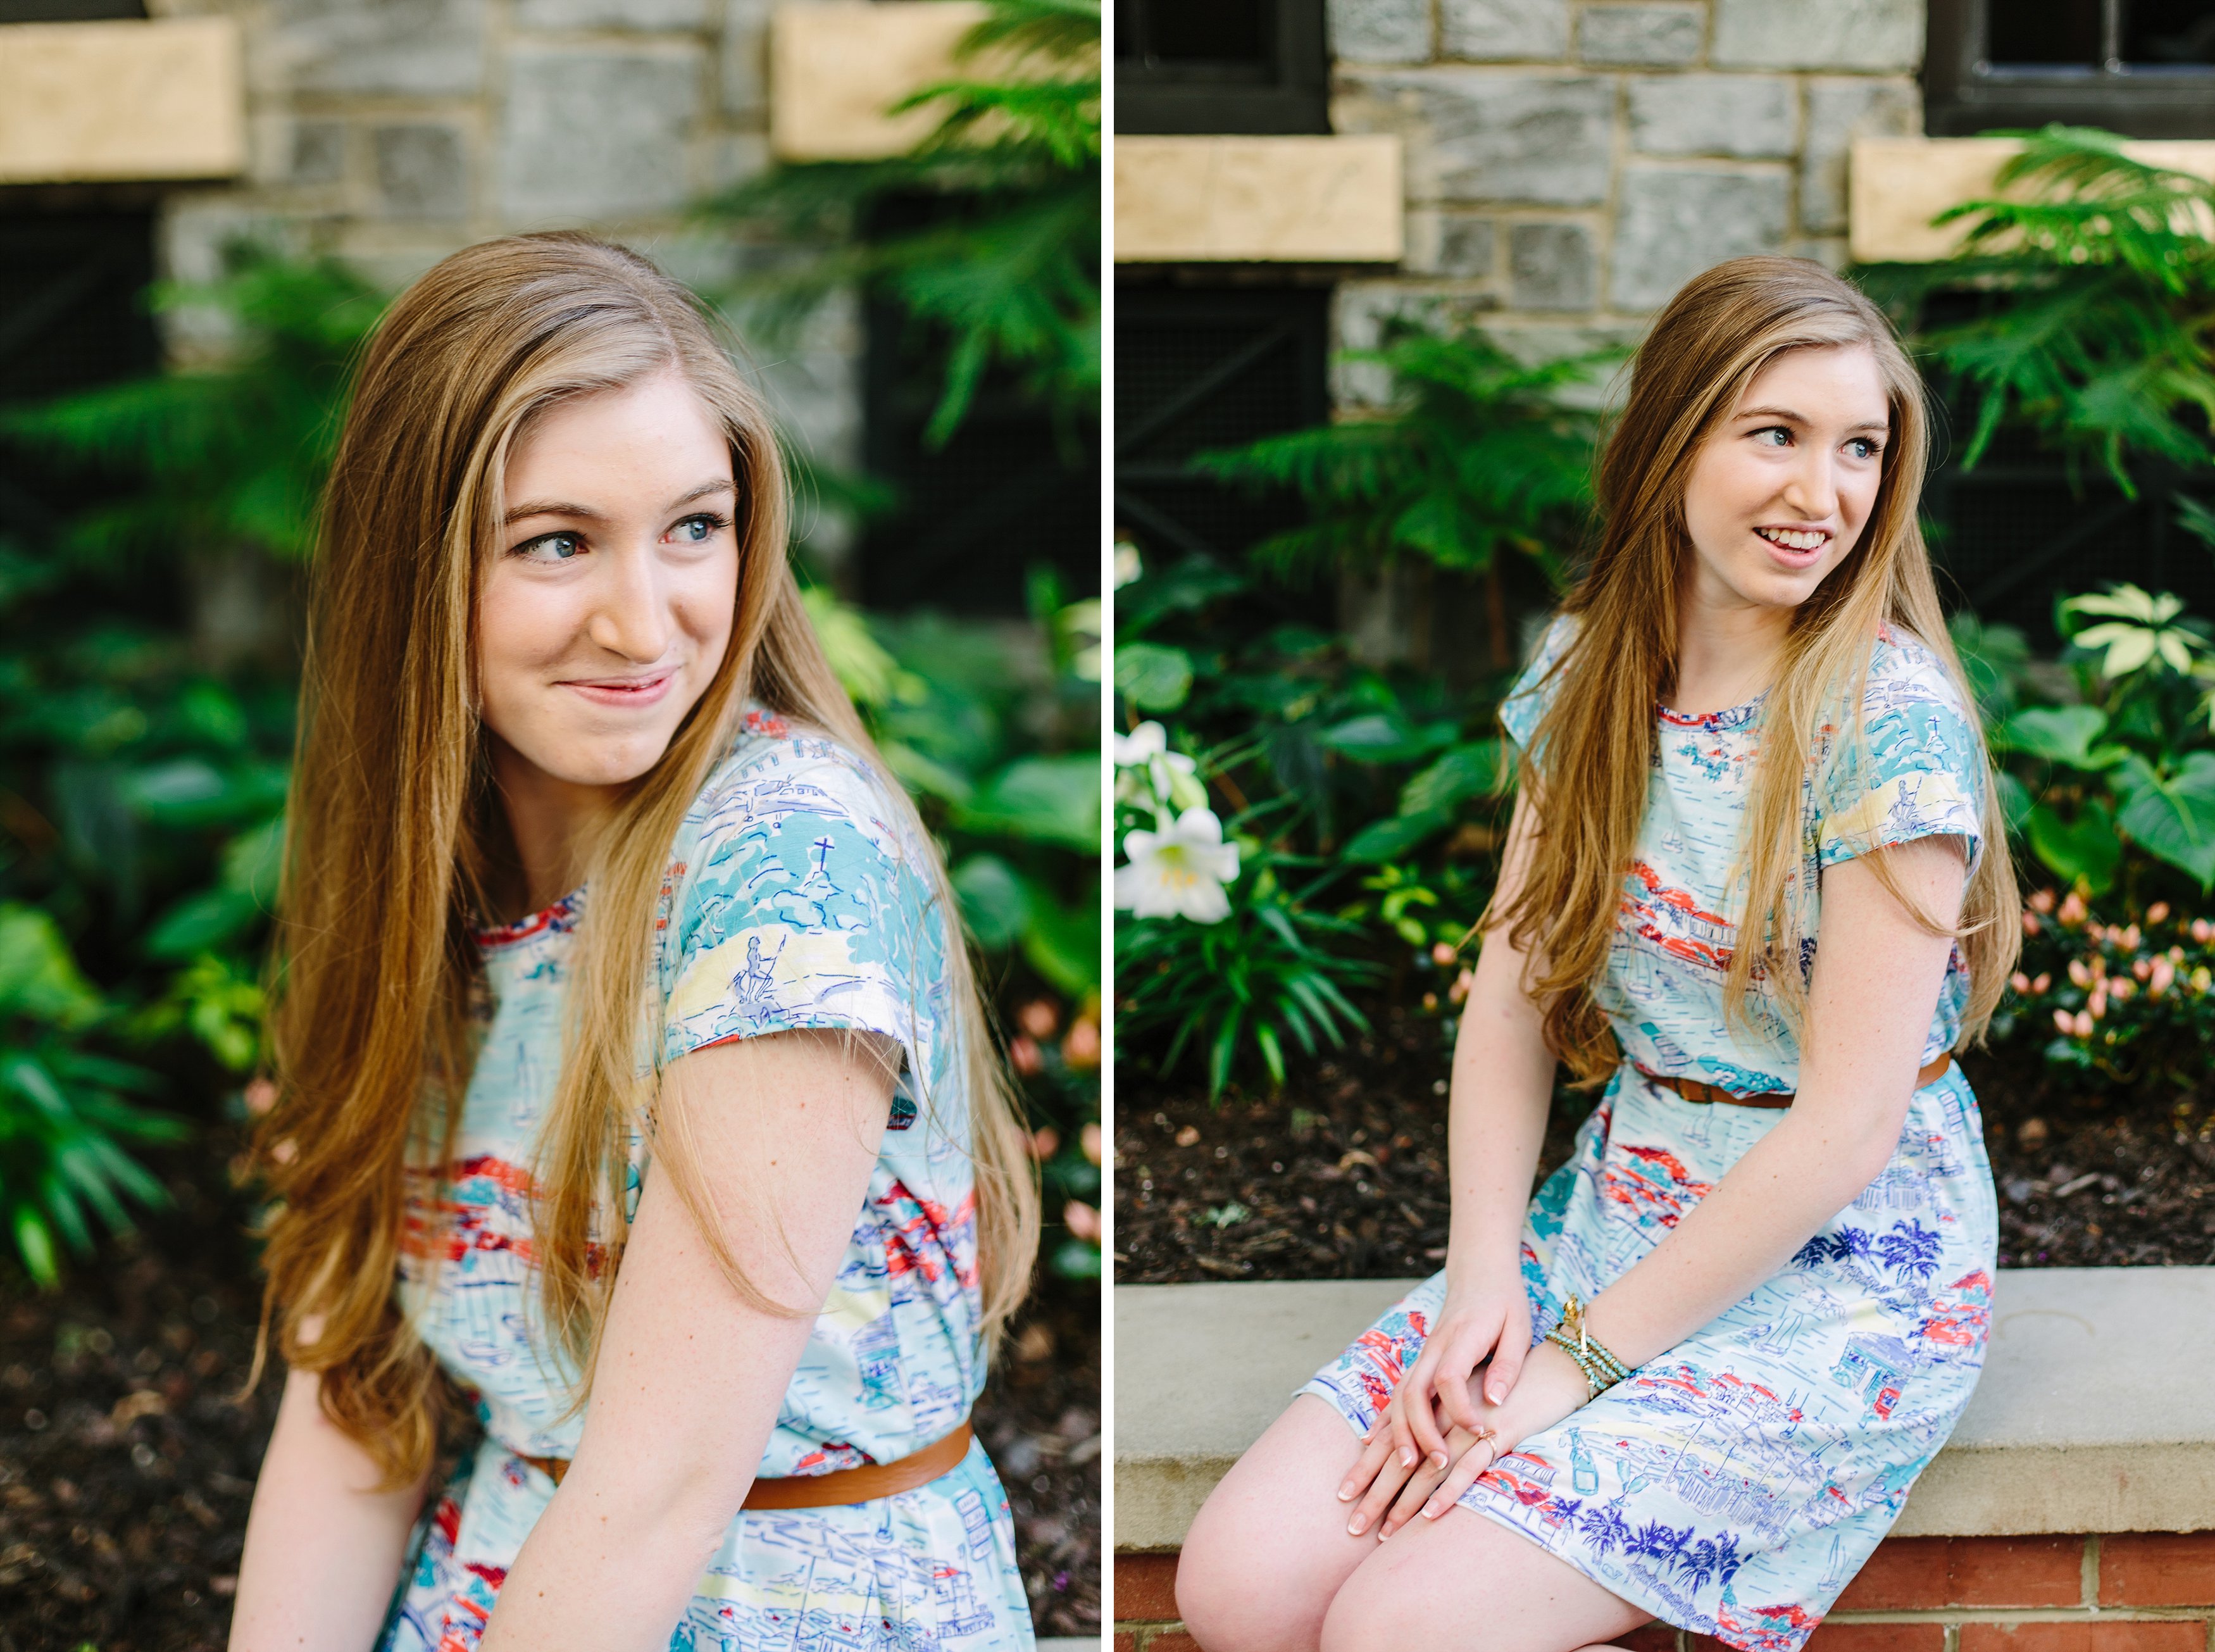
794 898
1734 1485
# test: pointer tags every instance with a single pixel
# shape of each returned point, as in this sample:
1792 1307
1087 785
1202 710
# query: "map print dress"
1735 1485
792 899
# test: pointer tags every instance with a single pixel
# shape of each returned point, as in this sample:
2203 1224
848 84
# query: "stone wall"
393 131
1571 162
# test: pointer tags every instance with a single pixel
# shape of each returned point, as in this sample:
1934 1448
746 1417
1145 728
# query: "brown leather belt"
859 1485
1693 1091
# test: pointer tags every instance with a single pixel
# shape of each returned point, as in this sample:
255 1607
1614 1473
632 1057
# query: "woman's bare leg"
1269 1549
1463 1583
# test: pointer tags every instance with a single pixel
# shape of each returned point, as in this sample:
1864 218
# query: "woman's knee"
1230 1594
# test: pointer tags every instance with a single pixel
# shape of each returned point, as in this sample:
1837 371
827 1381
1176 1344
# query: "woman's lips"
1795 557
617 691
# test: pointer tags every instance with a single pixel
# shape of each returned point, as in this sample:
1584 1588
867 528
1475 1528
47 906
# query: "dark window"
70 317
68 11
1220 66
1199 368
2145 68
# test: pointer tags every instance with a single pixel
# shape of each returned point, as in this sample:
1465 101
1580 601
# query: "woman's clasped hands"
1477 1390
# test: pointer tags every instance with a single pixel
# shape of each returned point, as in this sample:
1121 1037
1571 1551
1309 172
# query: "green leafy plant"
2121 765
65 1111
2095 282
1273 970
1004 268
1474 455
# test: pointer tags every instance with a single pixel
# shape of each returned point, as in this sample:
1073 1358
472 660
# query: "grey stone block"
1380 31
611 14
1504 30
597 132
1475 134
318 152
408 48
1449 242
1659 36
746 57
1466 245
1840 111
1552 267
1750 116
1818 34
1671 223
421 171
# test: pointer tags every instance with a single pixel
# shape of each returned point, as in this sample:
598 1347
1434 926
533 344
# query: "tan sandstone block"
81 103
836 67
1896 185
1264 200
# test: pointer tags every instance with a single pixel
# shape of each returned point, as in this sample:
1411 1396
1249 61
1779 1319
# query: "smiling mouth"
1795 539
623 690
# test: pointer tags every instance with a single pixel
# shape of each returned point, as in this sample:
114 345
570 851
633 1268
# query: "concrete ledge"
2092 1415
100 102
1896 185
835 67
1246 200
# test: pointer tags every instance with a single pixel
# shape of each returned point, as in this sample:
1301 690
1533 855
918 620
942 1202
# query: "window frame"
1964 94
1295 98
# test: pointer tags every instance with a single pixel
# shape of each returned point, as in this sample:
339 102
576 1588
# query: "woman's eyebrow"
1787 416
562 507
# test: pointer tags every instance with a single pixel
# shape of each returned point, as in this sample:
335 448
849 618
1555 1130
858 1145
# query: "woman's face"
610 598
1782 490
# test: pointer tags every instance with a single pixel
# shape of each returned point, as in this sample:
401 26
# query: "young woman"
1756 883
633 1090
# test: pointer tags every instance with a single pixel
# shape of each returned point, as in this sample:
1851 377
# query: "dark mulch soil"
126 1465
1343 1176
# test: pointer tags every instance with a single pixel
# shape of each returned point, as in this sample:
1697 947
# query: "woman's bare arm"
1503 1085
1876 980
690 1376
323 1548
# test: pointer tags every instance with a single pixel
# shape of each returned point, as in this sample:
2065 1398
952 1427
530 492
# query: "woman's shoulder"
777 766
1905 673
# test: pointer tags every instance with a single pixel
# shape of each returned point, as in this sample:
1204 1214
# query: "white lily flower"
1179 872
1142 745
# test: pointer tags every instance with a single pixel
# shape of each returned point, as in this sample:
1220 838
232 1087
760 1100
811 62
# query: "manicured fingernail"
1353 1526
1345 1493
1433 1509
1495 1395
1437 1459
1406 1456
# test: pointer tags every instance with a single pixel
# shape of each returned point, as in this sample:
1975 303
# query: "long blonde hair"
1587 763
393 831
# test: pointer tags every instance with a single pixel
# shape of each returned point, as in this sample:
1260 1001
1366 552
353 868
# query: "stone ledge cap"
122 99
2091 1415
1285 199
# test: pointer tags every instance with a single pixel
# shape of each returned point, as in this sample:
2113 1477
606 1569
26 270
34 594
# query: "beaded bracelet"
1602 1370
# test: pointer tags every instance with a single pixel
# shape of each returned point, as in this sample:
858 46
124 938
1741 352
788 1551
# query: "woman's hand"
1485 1324
1548 1389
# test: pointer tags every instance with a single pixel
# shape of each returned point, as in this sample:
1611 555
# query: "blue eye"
695 530
1864 448
551 547
1783 436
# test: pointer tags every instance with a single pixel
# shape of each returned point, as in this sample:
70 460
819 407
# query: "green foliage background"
143 772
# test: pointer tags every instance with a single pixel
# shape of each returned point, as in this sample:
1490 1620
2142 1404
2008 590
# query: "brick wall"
2133 1592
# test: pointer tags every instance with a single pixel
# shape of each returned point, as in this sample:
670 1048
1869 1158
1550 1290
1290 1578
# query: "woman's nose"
1811 491
631 616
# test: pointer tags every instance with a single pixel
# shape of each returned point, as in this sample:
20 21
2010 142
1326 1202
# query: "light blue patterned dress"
792 899
1734 1485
